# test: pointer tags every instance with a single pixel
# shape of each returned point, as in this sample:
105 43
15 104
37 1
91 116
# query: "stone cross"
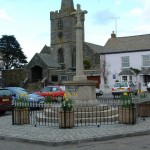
79 45
78 13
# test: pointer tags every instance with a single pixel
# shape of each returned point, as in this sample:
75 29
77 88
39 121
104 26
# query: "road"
128 143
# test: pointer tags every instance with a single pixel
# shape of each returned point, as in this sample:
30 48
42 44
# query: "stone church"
57 63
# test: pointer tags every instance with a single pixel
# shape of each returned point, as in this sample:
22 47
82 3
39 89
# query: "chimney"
113 35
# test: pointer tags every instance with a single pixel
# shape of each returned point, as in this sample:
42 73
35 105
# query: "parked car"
121 87
55 92
17 93
16 87
63 87
148 86
5 100
99 92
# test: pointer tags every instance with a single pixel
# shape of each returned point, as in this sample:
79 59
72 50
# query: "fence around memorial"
107 110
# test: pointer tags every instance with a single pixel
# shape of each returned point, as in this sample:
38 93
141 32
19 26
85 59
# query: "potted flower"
127 112
144 107
21 112
66 115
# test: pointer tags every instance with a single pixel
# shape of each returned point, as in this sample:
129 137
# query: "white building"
126 59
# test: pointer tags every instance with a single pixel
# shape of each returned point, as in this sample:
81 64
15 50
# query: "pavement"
55 136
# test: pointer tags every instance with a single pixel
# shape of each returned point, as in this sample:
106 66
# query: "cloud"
118 2
103 17
142 11
3 15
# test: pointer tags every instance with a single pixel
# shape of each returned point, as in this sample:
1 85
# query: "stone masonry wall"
14 77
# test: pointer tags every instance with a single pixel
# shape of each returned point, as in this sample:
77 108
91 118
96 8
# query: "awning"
145 71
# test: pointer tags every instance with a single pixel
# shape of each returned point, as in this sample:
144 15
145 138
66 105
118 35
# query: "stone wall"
14 77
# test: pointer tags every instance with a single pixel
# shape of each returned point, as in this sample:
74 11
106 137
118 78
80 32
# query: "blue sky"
29 20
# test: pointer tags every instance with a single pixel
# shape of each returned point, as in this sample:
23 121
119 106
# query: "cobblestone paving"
56 136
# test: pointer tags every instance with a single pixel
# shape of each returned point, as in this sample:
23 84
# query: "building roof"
96 48
43 60
127 44
126 72
49 60
145 71
46 50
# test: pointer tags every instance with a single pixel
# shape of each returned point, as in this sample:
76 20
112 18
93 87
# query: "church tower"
63 35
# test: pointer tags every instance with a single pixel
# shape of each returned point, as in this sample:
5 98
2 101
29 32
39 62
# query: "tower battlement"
61 13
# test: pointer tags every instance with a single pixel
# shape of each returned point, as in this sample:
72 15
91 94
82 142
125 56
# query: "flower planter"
127 115
66 119
21 116
144 109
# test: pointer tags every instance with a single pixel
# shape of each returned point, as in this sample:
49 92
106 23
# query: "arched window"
60 24
73 58
60 56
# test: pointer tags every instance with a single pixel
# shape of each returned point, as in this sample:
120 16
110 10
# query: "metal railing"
106 111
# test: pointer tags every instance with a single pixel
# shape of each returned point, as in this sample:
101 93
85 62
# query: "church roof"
127 44
45 50
96 48
43 60
48 60
67 5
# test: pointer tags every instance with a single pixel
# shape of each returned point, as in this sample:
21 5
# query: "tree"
104 69
87 64
12 54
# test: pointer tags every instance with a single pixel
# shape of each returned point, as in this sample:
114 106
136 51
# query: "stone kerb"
83 112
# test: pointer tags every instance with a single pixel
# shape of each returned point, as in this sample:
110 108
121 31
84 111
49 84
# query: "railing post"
134 115
13 106
65 118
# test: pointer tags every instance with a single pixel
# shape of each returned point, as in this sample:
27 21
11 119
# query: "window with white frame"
125 62
124 78
146 60
130 78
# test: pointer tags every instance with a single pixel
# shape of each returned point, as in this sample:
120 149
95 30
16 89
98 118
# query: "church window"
60 25
64 78
60 56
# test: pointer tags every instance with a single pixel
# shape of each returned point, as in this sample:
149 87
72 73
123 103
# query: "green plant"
87 64
67 103
127 100
48 99
21 104
143 95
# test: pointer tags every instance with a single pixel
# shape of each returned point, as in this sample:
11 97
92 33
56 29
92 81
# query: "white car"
99 92
121 87
148 86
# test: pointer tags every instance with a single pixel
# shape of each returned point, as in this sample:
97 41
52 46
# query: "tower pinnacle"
67 5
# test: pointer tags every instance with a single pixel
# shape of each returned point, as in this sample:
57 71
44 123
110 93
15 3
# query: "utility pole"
115 18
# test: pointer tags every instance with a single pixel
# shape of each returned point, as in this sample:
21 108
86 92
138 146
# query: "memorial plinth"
83 89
